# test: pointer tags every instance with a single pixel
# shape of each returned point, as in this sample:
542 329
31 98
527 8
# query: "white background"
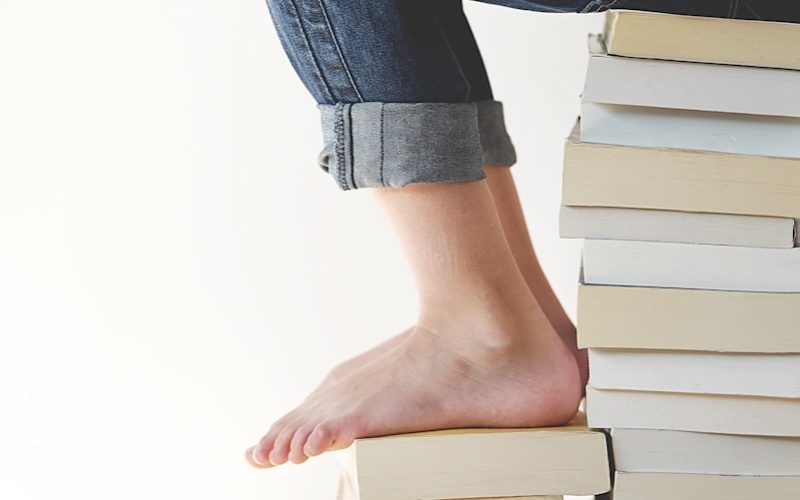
175 270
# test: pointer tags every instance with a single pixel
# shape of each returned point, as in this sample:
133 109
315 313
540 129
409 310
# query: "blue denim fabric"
402 89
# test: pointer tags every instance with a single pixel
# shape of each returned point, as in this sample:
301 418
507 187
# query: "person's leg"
506 199
483 353
498 154
497 159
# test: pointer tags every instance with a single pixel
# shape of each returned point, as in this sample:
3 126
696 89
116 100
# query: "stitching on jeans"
383 181
350 140
735 9
311 51
339 50
750 8
338 128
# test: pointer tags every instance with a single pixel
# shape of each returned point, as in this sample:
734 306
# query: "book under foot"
478 463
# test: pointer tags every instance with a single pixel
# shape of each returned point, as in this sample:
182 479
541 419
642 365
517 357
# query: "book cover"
676 265
600 175
703 39
711 413
632 224
681 129
475 463
624 317
742 374
680 452
692 86
634 486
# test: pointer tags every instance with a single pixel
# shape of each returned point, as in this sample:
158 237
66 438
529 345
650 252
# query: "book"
345 492
476 463
600 175
681 129
679 452
695 320
637 486
678 227
692 86
712 413
703 39
769 375
636 263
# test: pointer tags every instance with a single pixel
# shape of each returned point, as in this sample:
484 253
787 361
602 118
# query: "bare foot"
345 368
458 375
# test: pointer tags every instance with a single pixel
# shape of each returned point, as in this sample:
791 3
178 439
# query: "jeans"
403 93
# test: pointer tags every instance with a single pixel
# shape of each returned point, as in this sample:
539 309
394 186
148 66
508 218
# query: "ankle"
492 317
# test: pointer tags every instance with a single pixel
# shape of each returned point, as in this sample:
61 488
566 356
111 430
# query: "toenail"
255 454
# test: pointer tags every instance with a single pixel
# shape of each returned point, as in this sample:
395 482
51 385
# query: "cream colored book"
703 39
633 486
655 450
630 224
600 175
696 320
480 463
345 492
677 411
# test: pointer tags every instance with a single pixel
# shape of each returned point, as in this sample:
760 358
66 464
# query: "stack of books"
684 178
518 464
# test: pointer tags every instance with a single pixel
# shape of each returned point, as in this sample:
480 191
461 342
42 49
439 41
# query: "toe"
249 455
320 439
280 449
266 443
297 454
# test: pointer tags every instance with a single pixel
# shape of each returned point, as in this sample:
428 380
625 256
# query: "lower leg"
483 352
515 228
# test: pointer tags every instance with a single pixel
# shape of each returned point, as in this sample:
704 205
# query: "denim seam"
352 162
598 5
339 152
383 180
735 9
753 12
339 50
311 50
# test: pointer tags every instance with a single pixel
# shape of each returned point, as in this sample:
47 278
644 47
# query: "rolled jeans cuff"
495 143
373 144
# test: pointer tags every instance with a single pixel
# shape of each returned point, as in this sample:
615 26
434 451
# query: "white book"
677 227
637 486
693 412
692 86
677 265
679 452
769 375
681 129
